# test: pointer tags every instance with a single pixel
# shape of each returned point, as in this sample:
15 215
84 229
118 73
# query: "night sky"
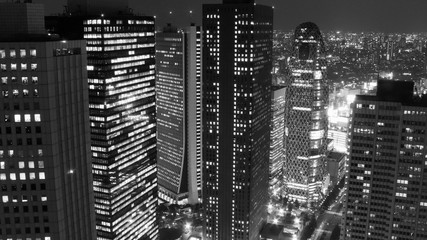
345 15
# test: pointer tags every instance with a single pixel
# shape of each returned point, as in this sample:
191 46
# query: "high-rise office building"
121 77
45 161
277 132
237 65
306 116
387 179
179 93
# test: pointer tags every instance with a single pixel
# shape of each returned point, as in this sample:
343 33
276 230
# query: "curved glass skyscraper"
306 116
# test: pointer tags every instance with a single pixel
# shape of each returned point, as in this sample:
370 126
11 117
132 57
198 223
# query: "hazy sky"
345 15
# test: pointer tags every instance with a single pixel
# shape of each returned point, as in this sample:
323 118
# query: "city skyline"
221 126
377 16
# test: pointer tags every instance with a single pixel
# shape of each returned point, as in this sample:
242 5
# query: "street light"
187 226
275 221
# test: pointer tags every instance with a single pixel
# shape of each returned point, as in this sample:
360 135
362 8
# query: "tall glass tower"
121 78
178 88
237 64
306 111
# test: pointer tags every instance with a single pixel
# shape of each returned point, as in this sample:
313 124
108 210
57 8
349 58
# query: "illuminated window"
33 52
12 53
35 80
25 92
41 164
40 153
3 67
36 93
32 176
37 117
33 66
17 117
44 198
2 53
27 118
31 164
22 176
12 176
22 53
21 164
42 175
15 92
4 80
2 165
13 66
25 80
5 199
23 66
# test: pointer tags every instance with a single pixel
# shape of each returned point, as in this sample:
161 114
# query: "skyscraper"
387 179
237 65
306 116
276 139
121 77
45 164
178 88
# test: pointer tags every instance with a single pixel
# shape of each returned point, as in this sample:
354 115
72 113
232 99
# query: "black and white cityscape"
213 120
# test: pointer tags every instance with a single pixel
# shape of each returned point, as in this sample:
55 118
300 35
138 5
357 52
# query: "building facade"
122 104
387 193
306 122
237 65
46 188
276 139
178 88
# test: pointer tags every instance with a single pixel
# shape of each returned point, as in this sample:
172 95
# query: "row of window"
18 130
16 106
13 53
24 80
15 93
19 142
21 176
19 153
22 118
14 66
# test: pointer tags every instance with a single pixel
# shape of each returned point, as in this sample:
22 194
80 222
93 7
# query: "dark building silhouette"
237 65
387 178
179 110
121 77
46 190
306 116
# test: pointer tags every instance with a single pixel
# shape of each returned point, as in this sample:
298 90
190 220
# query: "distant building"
237 65
387 179
274 232
340 139
306 123
336 166
122 104
179 110
277 133
46 189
